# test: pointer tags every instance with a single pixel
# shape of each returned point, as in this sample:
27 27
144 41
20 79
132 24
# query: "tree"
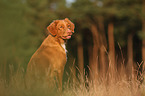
80 57
143 30
130 56
14 32
112 64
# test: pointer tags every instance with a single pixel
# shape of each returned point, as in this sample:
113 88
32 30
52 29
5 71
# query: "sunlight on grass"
79 87
120 87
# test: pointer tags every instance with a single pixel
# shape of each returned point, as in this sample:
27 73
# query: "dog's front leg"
60 76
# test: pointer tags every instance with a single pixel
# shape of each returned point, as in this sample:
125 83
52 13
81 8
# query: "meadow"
110 85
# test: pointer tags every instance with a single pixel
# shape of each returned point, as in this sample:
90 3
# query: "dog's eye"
61 27
68 26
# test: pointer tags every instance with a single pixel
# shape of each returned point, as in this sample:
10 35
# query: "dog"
50 58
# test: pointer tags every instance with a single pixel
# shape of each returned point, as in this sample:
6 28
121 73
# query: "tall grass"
108 86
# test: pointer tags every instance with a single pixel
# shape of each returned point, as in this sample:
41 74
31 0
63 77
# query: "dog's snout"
69 32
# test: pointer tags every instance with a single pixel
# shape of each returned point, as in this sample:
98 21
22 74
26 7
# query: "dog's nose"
69 32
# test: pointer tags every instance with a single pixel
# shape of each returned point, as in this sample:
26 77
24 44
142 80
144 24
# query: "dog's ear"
72 24
52 27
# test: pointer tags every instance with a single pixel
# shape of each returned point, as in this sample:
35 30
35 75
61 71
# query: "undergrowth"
108 86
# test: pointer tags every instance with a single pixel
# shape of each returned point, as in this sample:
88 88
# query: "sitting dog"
50 58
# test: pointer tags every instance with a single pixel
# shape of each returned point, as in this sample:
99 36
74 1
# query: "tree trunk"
103 47
103 63
143 30
80 58
130 57
94 62
112 66
91 65
103 39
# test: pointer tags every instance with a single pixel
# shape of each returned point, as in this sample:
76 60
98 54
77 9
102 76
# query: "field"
109 86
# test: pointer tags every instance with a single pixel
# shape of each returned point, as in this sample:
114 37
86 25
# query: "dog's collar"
52 35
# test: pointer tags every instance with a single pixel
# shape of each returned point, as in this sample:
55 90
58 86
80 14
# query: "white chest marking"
63 45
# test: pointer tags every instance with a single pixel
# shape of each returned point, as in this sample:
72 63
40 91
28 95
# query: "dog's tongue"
68 37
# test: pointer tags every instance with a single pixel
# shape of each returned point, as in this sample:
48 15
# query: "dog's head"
61 28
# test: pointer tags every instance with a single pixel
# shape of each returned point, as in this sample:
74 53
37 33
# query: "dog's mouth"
66 37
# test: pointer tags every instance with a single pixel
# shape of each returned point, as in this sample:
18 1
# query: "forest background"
108 34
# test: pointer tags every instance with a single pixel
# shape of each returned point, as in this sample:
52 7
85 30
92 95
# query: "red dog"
50 58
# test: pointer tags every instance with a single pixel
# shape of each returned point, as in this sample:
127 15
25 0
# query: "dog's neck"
64 47
61 41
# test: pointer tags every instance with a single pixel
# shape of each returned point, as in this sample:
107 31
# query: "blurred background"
108 33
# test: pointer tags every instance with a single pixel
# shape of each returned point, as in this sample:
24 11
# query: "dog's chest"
64 47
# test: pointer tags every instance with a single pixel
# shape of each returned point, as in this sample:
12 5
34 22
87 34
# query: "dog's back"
50 55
